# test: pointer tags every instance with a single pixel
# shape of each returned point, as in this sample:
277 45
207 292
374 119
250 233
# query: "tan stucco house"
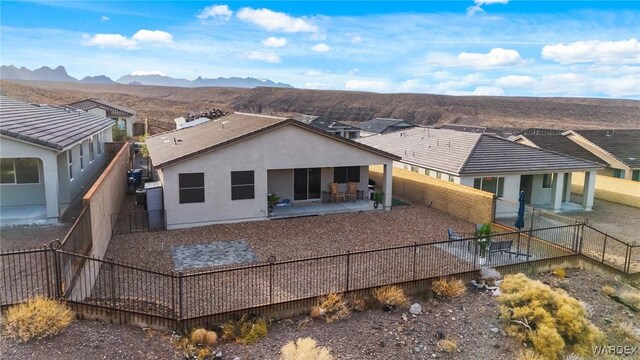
49 156
223 170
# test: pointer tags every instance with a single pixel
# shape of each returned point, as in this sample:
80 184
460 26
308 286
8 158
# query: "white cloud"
153 36
515 81
321 48
488 91
108 41
495 58
104 18
313 73
477 5
606 52
148 72
275 42
572 84
356 39
275 21
367 85
318 36
317 86
215 11
268 57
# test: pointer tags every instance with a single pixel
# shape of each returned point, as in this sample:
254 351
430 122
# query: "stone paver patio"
212 254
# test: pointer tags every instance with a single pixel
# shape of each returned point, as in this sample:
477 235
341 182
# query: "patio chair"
352 191
335 194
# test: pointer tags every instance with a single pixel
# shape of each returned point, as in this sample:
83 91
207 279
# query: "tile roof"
322 123
110 108
223 131
467 128
49 126
466 153
563 145
382 125
624 144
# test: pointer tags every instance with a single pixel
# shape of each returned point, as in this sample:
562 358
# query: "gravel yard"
472 320
297 237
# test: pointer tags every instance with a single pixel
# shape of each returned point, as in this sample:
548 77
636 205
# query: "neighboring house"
222 170
183 122
490 163
383 126
467 128
49 156
125 118
618 150
332 127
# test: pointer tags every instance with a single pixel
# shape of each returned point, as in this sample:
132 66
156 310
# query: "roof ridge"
471 149
593 144
547 150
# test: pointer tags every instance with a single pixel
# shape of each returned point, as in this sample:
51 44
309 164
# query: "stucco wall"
105 198
25 194
82 178
281 183
608 188
458 200
287 147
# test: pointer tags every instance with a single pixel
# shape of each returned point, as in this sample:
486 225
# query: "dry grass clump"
626 333
204 337
245 331
36 319
489 276
444 288
560 273
447 345
333 307
357 301
608 290
530 355
304 349
391 296
631 297
549 319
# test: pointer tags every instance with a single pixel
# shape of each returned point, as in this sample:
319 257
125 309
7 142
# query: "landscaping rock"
415 309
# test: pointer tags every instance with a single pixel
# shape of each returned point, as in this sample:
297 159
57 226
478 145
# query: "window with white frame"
91 150
81 157
70 161
492 184
19 171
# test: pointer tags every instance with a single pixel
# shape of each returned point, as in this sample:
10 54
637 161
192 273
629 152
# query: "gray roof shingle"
49 126
624 144
110 108
465 153
563 145
383 125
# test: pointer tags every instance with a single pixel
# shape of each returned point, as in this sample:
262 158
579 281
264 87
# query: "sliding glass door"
306 184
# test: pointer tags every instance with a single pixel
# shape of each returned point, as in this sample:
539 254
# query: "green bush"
549 319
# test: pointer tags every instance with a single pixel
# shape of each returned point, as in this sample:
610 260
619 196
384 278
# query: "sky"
470 47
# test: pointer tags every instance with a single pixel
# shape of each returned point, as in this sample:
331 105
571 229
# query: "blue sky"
472 47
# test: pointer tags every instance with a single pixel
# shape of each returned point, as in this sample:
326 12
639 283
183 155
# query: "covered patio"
319 208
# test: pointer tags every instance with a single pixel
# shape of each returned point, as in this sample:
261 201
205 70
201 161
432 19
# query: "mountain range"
45 73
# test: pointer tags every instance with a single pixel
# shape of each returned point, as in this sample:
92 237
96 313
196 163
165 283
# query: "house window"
546 181
618 173
70 161
242 185
191 188
635 175
81 157
414 168
345 174
99 143
91 151
494 185
19 171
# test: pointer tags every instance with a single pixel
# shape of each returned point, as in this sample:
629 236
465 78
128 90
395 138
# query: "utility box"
155 205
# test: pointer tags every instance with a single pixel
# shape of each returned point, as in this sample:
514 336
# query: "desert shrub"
357 302
447 288
203 337
530 355
37 318
245 331
549 319
304 349
490 275
391 296
626 333
608 290
203 353
447 345
332 307
572 356
631 297
561 273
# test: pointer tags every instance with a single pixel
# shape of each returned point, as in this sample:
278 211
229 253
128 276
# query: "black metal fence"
138 221
506 213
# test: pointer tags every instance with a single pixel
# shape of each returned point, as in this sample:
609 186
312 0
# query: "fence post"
348 267
46 266
580 238
55 246
180 295
415 249
112 277
604 247
475 252
529 243
270 282
627 259
173 294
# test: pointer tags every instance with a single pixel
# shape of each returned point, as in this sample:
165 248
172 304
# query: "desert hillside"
162 104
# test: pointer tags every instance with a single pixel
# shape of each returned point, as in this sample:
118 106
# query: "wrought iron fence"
506 213
138 221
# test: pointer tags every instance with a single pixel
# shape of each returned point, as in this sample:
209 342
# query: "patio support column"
567 191
557 191
589 190
388 180
50 178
